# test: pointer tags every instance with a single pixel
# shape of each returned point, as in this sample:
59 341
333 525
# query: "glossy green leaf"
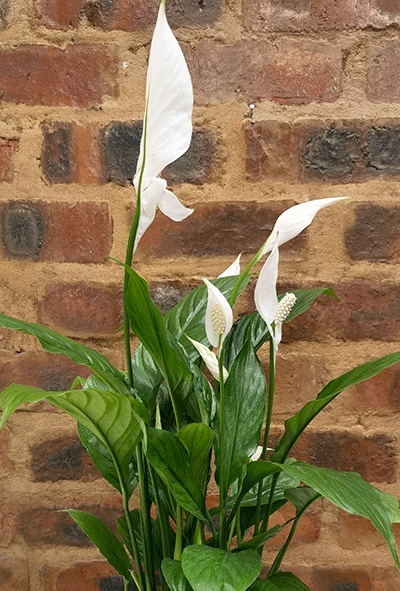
173 574
301 497
198 439
279 582
105 540
296 424
212 569
245 399
259 540
170 458
351 493
53 342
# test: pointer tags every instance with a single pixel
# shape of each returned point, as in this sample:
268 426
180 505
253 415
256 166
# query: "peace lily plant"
195 402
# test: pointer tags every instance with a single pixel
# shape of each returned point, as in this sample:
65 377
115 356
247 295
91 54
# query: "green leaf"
170 458
301 497
105 540
123 531
296 424
279 582
245 399
348 491
198 438
212 569
53 342
173 574
259 540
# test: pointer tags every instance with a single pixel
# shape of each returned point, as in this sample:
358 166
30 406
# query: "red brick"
41 526
54 373
78 76
306 532
7 149
61 459
14 574
366 311
339 579
374 458
84 576
125 14
80 309
304 15
288 71
204 232
358 532
383 80
381 392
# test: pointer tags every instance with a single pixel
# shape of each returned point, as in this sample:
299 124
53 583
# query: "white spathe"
210 359
167 126
219 315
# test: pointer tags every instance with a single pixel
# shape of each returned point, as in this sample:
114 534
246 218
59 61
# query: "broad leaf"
279 582
296 424
173 574
53 342
351 493
212 569
170 458
105 540
245 399
198 438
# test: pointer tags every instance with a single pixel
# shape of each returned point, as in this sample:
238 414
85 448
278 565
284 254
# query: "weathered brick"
366 311
383 146
5 463
382 392
85 576
121 146
125 14
204 232
167 295
53 373
61 459
7 149
288 71
79 309
374 458
339 579
383 81
375 235
14 573
41 525
5 13
78 76
8 526
304 15
196 165
57 231
358 532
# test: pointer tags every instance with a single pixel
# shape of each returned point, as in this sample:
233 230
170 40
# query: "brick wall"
323 78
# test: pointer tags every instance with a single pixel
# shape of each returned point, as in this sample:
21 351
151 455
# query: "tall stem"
148 554
222 485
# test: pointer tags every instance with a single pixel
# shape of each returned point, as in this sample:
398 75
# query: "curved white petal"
219 315
167 129
265 296
210 359
151 195
233 269
172 207
295 219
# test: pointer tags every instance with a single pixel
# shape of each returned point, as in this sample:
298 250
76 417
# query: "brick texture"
381 392
78 76
79 309
84 576
329 579
125 15
383 83
14 574
6 465
288 71
60 232
7 149
5 13
61 459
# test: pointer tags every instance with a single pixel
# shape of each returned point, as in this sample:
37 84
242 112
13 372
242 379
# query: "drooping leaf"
212 569
279 582
348 491
105 540
245 399
53 342
173 574
296 424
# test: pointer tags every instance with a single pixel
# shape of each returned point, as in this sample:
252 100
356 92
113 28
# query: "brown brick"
14 573
8 526
288 71
61 459
78 76
375 235
120 142
57 231
382 392
204 232
339 579
7 149
5 463
54 373
167 295
366 311
358 532
383 81
80 309
125 14
374 458
304 15
84 576
307 530
196 165
41 525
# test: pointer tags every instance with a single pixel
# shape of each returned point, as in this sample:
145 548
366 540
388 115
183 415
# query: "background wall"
324 79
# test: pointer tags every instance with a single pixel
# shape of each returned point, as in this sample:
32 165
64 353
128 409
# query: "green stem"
179 530
148 554
222 491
